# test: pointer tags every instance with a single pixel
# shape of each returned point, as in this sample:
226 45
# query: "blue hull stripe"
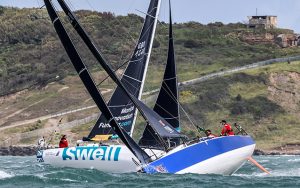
199 152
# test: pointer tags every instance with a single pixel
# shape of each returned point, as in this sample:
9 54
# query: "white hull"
124 164
225 164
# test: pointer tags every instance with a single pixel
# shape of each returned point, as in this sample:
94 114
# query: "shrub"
192 44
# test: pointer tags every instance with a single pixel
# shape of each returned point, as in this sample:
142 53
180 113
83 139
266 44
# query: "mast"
147 61
121 105
90 85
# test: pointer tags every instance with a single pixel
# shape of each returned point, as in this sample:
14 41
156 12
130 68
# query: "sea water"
26 172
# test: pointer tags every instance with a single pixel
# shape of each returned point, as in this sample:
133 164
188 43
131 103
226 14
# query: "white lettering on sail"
127 110
120 118
140 49
104 125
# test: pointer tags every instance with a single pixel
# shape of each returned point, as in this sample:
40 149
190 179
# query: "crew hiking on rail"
226 130
63 143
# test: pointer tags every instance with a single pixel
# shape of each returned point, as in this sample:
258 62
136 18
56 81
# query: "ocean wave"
4 175
294 160
31 174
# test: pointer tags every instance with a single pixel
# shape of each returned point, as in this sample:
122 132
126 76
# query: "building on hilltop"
265 22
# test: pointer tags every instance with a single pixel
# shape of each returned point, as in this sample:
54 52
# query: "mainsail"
90 85
166 105
133 79
159 125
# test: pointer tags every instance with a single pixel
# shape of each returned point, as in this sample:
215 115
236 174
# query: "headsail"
166 105
90 85
133 79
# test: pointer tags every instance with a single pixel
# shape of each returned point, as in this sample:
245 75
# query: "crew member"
209 134
63 142
226 130
41 143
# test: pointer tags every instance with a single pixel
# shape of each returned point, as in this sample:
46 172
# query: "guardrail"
250 66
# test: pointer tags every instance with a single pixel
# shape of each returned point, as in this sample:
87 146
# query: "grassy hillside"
265 101
32 56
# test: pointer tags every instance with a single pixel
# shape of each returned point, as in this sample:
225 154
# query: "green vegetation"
31 57
244 98
31 54
22 129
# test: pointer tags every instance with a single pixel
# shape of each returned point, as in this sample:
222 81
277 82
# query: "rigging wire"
146 54
118 68
112 38
121 34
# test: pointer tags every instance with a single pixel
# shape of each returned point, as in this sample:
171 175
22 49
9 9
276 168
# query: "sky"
203 11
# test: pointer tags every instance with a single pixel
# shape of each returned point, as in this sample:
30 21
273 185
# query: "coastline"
32 150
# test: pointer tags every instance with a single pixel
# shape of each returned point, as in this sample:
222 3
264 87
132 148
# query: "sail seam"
172 117
132 78
170 78
82 70
55 20
145 54
121 105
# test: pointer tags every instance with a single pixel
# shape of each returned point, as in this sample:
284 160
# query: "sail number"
140 49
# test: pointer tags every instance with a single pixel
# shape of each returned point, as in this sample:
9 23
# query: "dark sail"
133 79
161 127
167 101
90 85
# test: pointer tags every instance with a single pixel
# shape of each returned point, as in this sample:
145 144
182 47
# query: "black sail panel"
90 85
167 101
133 79
166 105
159 124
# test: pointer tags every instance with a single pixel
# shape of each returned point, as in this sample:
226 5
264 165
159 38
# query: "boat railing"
240 130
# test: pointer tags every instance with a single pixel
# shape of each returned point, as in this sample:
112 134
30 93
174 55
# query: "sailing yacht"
120 105
162 147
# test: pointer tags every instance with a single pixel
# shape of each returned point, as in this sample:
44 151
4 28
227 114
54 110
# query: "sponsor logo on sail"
127 110
104 125
140 49
103 153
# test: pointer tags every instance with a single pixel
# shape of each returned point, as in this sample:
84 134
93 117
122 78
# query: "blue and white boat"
162 148
220 155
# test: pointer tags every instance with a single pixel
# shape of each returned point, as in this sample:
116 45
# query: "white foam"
294 172
4 175
293 160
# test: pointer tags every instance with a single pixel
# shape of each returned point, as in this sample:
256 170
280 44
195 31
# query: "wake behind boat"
162 147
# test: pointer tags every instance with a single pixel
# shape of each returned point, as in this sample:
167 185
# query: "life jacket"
227 130
63 143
